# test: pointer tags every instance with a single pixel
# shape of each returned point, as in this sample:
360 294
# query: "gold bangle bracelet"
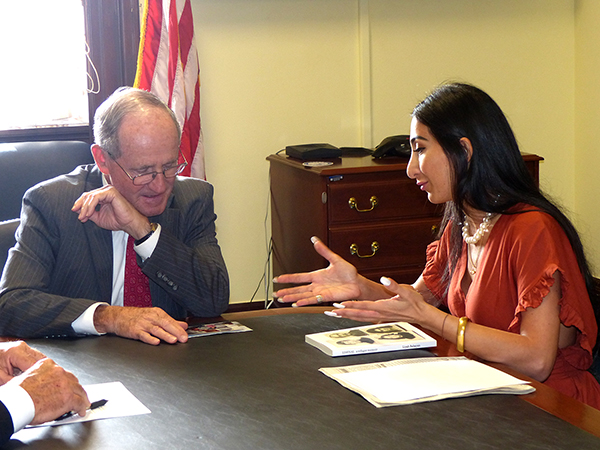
460 334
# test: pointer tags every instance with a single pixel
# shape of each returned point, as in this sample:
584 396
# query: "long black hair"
496 178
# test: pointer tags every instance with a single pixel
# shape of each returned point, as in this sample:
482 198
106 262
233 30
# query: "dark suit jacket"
60 266
6 424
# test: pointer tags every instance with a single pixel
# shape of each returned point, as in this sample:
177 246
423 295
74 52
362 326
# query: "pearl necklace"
481 230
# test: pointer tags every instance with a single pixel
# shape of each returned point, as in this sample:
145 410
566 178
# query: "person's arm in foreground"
52 390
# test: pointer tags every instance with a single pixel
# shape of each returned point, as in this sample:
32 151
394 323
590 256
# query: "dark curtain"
112 28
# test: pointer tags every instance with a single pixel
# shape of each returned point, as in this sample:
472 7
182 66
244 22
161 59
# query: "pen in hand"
94 405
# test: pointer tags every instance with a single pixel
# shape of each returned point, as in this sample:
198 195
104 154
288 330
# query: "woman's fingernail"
339 305
385 281
294 305
331 314
314 239
275 280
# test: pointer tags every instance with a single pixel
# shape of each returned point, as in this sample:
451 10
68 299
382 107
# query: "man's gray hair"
110 115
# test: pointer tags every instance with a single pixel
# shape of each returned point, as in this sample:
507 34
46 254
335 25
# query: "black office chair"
595 367
24 164
7 239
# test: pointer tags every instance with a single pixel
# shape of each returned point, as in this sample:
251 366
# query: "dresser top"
346 164
358 164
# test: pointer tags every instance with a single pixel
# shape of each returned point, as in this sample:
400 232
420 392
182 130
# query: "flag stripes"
168 67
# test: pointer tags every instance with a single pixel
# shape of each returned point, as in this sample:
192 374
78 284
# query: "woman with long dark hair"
509 266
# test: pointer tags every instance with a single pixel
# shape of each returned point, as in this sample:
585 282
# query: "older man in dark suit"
123 246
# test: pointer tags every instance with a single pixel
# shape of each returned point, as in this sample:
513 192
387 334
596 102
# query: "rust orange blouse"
514 272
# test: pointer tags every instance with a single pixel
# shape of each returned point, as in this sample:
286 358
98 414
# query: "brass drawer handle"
352 204
374 248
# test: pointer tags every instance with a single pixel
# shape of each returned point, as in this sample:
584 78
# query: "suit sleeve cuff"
84 324
19 404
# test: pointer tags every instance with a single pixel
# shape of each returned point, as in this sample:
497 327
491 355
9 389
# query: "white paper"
120 403
406 381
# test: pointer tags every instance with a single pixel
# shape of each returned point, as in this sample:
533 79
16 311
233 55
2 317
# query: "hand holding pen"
94 405
52 389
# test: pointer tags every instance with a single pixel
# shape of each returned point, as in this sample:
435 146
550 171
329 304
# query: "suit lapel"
101 250
100 244
169 221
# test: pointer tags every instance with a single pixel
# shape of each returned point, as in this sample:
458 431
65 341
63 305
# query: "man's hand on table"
54 391
16 355
149 325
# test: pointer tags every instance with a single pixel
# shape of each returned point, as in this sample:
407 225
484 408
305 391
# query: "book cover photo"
385 337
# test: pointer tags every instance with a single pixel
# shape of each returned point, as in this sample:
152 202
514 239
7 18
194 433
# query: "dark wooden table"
262 390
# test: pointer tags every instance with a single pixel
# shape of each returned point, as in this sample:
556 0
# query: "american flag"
168 67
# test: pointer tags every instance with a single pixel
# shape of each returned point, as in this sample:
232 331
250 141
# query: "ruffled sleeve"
525 248
434 270
533 296
541 250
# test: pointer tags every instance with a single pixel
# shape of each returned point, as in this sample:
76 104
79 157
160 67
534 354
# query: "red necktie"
136 289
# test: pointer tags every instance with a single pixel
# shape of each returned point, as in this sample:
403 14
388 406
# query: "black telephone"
398 145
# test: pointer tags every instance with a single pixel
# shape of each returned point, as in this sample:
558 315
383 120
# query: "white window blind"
43 70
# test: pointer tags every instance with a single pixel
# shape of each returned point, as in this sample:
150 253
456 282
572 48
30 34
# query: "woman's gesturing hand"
407 305
338 282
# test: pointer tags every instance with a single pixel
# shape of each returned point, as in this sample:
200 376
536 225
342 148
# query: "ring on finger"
319 298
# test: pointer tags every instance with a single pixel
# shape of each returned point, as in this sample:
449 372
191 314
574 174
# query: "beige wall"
587 124
348 72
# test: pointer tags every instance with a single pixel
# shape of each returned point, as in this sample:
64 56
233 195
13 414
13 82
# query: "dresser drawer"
404 275
392 197
392 244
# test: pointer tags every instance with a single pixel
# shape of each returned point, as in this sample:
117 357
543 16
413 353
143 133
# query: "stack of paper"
406 381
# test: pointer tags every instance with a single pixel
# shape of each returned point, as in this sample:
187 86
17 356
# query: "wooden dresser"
367 211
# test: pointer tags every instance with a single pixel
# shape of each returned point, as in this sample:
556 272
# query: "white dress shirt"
84 324
19 405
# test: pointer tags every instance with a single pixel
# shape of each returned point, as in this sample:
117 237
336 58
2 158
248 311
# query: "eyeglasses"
146 178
